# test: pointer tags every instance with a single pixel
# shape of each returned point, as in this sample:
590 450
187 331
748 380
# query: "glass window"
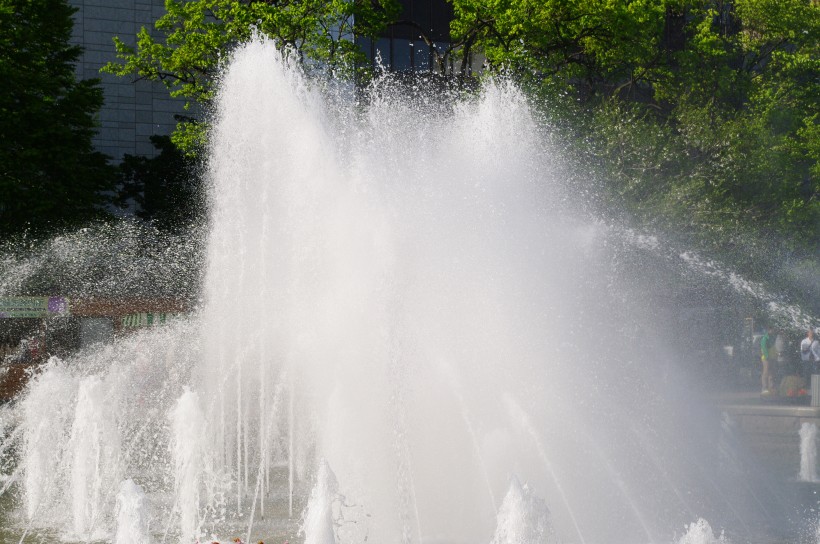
383 50
422 60
364 46
441 47
401 54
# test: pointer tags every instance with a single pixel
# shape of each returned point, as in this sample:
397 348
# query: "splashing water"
123 259
401 308
790 314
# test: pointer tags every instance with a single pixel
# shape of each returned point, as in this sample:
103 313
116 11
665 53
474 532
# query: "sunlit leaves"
699 115
191 40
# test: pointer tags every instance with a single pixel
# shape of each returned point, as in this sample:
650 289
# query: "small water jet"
132 515
808 452
94 446
320 520
700 532
46 413
523 518
189 449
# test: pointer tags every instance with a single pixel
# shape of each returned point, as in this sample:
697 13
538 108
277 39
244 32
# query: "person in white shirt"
805 347
815 347
810 352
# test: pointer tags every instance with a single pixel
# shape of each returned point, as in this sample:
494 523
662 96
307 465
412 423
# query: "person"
777 356
815 347
766 379
810 352
805 351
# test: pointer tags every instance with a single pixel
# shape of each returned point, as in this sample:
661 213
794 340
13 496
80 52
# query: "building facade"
133 110
411 44
419 41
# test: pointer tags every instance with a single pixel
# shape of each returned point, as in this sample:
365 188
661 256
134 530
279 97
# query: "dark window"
366 45
383 50
401 54
402 46
422 56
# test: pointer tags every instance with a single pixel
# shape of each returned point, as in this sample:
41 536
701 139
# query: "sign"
32 307
147 319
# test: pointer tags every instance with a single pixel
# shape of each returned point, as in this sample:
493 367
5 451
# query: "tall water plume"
94 445
405 272
46 420
403 293
189 452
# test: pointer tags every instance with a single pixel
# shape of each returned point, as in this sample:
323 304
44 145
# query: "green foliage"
190 41
700 114
50 176
593 47
165 190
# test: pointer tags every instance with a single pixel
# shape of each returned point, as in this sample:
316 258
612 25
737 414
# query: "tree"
726 93
50 176
165 190
195 36
700 116
593 47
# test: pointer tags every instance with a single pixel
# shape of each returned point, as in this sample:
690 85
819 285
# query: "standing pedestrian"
810 352
766 380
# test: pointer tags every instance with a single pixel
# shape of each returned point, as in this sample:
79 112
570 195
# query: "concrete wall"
772 434
133 111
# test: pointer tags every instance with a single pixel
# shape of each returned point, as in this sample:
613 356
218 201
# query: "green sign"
147 319
32 307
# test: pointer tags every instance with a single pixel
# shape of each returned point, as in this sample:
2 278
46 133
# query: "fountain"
405 313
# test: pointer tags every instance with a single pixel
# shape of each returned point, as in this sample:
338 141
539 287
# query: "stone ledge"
775 410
